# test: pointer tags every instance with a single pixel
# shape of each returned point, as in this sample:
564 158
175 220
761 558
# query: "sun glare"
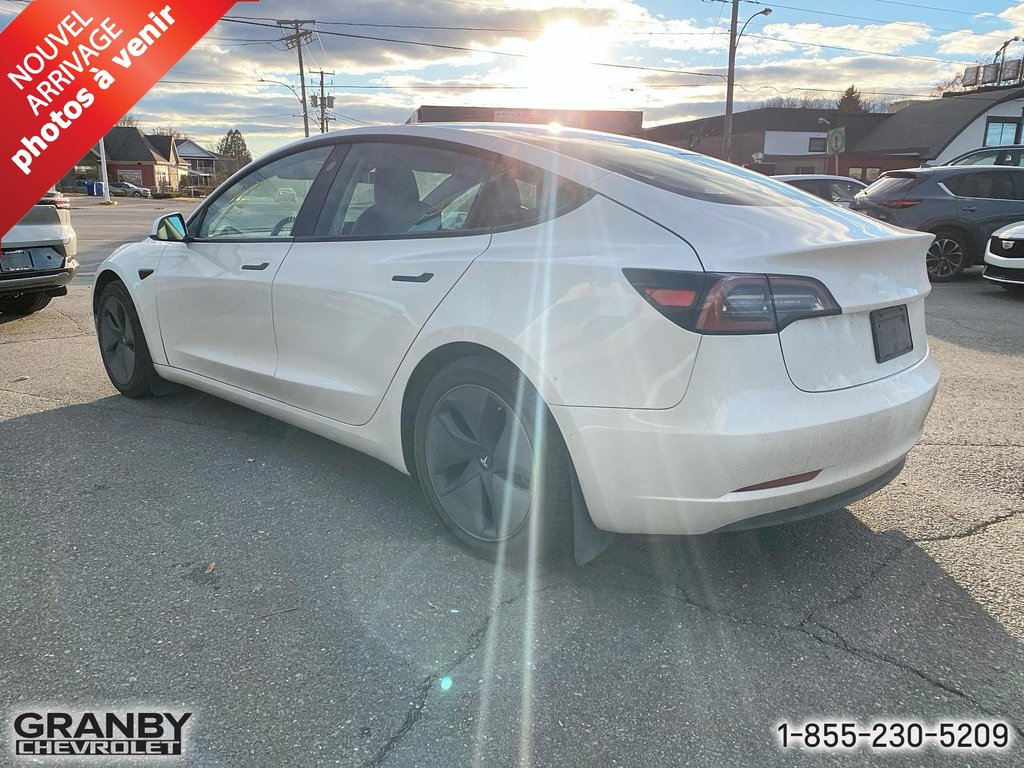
557 72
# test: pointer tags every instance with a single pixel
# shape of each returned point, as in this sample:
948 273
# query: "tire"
947 256
492 462
123 344
25 304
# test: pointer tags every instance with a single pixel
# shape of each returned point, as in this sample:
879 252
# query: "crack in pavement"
970 445
47 338
418 705
842 644
973 530
78 325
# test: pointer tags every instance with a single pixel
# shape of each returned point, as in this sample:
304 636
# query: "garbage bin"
90 188
98 186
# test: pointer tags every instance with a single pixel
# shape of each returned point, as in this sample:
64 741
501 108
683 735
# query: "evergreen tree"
233 145
850 102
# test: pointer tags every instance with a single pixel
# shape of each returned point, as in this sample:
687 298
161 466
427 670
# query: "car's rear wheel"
947 256
25 304
123 344
492 462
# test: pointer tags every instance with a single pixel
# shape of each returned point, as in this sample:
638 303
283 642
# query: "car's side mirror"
169 228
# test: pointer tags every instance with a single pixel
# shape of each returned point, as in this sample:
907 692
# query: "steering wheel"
281 225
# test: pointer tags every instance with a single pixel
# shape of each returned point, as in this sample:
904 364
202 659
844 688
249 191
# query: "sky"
384 58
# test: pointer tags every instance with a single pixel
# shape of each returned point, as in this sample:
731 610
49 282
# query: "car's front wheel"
492 462
25 304
122 343
947 256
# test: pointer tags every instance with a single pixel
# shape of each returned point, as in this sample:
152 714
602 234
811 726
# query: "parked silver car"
37 259
1004 154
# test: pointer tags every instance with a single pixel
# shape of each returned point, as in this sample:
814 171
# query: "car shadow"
159 544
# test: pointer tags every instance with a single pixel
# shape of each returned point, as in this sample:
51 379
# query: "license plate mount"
890 331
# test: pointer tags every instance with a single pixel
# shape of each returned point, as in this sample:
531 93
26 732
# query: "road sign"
836 140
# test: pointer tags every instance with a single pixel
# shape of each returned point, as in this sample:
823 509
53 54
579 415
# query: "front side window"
264 202
391 189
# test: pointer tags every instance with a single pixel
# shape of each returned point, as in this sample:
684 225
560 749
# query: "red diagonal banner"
70 69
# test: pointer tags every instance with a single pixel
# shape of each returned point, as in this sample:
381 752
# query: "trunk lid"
865 264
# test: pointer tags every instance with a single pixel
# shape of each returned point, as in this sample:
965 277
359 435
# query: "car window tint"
264 202
989 185
401 189
893 183
676 170
843 191
518 194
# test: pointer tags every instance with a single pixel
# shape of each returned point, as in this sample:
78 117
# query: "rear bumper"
678 470
32 283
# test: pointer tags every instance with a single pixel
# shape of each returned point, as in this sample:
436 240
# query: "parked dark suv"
961 205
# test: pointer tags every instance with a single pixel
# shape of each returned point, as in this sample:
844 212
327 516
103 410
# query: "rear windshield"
672 169
891 184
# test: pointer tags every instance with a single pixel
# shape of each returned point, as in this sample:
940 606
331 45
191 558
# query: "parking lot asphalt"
297 597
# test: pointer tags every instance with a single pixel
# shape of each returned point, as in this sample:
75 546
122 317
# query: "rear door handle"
413 278
970 208
264 265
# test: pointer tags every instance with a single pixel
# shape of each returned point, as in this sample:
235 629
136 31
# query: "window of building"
856 173
871 174
817 144
1000 130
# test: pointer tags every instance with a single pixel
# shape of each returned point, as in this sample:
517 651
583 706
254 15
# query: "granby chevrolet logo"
120 734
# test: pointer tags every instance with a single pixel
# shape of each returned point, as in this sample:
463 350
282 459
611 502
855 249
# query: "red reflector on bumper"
778 483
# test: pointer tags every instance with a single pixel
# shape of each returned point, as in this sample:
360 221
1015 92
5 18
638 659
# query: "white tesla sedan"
552 330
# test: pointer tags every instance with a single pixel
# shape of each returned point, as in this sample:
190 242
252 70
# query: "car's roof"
953 170
814 177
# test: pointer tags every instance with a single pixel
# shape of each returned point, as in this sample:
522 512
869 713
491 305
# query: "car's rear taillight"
716 303
907 203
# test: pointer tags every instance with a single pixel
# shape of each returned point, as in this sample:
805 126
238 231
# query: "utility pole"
325 102
729 83
295 40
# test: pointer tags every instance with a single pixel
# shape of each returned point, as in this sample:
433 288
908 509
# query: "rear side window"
394 189
843 191
672 169
983 184
518 194
892 184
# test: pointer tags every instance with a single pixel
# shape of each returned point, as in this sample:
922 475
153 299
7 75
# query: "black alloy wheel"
492 463
123 343
947 257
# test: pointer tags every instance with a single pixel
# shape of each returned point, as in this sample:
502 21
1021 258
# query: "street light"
734 40
1002 53
294 93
